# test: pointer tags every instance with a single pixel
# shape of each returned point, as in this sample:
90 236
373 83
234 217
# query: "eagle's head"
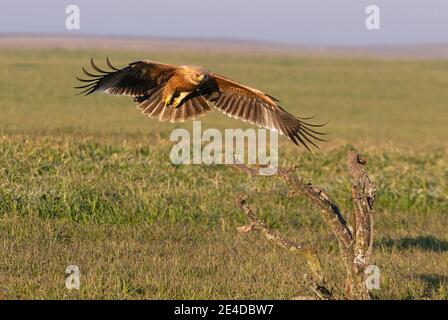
196 74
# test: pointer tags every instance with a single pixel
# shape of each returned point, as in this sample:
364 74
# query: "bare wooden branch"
317 281
355 243
329 210
363 192
252 171
363 195
318 197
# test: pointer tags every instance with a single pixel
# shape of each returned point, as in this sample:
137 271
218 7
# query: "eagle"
177 93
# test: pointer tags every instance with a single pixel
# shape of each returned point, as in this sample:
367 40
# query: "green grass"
88 181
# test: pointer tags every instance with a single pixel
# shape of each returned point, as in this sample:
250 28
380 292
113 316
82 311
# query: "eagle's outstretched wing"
254 106
144 80
133 80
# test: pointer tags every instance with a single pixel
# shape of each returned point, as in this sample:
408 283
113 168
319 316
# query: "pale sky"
313 22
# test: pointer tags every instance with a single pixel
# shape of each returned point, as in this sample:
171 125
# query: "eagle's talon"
176 102
168 102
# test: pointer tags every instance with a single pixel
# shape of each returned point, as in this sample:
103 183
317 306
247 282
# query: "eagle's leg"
178 100
169 100
175 100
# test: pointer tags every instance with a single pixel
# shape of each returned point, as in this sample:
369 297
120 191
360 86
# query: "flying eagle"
178 93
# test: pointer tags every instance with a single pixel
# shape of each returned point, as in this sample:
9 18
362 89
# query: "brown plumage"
178 93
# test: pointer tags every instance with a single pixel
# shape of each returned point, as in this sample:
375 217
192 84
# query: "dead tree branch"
328 209
355 248
317 282
363 195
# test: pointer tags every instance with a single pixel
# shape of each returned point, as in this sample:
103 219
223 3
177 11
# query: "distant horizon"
216 46
218 39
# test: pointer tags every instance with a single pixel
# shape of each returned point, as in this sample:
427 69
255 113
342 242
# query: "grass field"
88 181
